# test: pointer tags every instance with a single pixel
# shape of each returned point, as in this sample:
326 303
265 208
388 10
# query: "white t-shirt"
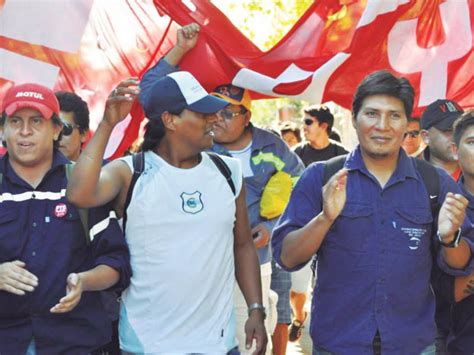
180 234
244 156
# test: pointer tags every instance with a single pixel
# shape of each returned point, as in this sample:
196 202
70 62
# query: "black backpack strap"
223 168
332 166
431 180
138 160
83 212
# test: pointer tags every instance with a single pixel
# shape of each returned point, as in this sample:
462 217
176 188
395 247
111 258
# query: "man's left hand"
262 236
451 216
73 295
255 329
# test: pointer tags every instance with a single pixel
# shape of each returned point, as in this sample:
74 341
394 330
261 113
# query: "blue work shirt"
461 337
269 154
41 228
375 262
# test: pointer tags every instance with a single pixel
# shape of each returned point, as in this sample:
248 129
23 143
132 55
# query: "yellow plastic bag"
276 195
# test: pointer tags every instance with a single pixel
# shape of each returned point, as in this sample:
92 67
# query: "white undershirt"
244 156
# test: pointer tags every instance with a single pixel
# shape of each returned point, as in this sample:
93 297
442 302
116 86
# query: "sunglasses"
228 115
68 128
412 134
308 121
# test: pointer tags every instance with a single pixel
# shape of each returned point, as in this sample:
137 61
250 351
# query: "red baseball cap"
33 96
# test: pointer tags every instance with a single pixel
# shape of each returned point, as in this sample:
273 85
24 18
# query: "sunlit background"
265 22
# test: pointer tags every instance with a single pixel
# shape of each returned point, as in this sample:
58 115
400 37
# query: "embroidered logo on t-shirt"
192 203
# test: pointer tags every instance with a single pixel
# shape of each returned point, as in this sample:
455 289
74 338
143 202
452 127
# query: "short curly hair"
70 102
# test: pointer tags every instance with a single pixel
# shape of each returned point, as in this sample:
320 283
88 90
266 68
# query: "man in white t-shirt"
185 227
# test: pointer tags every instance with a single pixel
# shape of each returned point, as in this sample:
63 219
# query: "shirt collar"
466 193
405 165
259 141
5 168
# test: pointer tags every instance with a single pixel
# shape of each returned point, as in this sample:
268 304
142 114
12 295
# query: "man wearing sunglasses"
317 127
412 142
74 114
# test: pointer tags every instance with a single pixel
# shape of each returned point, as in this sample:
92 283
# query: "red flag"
324 56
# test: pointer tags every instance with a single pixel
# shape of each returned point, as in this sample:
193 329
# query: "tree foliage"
265 22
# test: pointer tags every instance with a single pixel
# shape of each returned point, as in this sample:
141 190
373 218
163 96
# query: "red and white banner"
324 56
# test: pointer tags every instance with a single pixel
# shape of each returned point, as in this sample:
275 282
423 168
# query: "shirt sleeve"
156 72
108 244
305 204
447 184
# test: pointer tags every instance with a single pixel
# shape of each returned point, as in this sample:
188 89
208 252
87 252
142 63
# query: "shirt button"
33 195
34 224
33 253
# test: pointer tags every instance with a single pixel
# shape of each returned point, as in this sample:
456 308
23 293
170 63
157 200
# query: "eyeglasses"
308 121
412 134
68 128
228 115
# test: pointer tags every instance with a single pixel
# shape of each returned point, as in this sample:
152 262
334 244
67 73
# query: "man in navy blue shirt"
371 228
461 338
48 262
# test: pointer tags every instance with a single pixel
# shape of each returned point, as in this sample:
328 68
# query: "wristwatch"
258 306
454 243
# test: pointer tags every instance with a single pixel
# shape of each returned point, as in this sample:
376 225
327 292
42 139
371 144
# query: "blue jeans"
31 348
430 350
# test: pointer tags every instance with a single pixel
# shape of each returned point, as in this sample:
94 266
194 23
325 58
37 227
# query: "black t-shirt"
310 155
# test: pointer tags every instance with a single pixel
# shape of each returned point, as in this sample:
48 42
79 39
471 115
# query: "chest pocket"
413 230
352 229
11 235
66 232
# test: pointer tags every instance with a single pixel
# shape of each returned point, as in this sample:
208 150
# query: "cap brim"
45 111
208 104
447 123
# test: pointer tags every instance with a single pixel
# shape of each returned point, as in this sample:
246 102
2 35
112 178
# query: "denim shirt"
41 228
375 262
269 154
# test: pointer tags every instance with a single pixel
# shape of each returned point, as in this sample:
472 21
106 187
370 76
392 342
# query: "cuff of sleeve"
456 272
118 265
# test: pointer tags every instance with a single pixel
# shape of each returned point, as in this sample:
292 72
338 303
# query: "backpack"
138 161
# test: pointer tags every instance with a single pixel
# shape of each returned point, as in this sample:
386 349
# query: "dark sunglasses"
412 134
308 121
228 115
68 128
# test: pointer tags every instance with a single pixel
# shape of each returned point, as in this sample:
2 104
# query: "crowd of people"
208 238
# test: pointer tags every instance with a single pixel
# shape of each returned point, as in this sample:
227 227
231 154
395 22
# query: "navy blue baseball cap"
178 91
441 114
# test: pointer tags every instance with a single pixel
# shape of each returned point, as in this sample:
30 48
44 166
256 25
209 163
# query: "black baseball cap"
441 114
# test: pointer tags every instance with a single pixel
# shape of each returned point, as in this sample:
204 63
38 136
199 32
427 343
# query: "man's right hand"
14 278
187 37
119 103
334 195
